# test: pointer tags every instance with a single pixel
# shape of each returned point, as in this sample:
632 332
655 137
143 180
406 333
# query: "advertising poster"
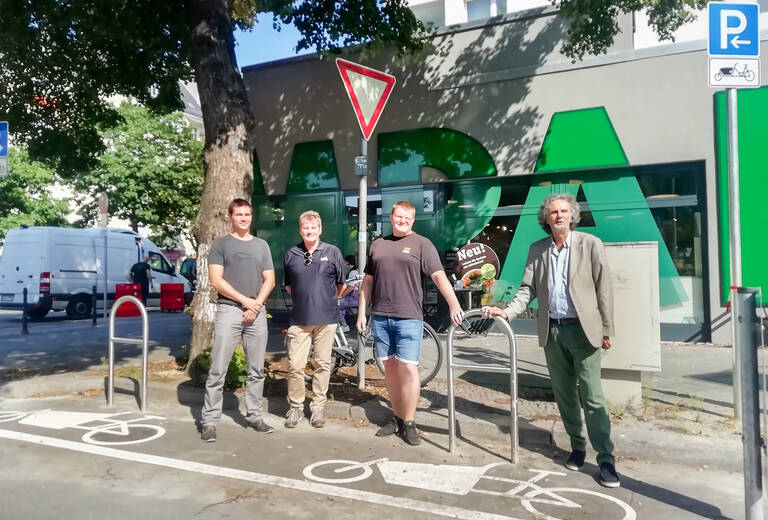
477 267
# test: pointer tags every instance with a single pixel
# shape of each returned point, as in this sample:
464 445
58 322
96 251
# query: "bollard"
93 306
746 342
24 328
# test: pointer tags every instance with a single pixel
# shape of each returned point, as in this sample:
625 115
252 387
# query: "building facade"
489 119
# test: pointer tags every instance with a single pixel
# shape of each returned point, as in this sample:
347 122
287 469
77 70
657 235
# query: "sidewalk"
687 404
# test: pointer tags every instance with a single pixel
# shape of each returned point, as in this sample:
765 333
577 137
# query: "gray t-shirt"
243 262
397 265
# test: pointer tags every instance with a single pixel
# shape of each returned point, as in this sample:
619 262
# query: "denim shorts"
397 337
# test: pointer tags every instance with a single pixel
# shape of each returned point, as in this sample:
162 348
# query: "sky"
265 44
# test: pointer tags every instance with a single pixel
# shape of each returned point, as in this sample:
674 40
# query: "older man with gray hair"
314 276
568 273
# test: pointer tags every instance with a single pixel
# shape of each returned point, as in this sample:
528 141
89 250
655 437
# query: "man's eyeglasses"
307 258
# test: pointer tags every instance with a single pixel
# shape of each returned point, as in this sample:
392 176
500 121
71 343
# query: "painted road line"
259 478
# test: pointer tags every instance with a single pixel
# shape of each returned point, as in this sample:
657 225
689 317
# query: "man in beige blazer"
568 273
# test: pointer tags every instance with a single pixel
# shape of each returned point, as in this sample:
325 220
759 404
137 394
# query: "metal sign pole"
104 221
735 238
106 275
746 319
361 169
368 91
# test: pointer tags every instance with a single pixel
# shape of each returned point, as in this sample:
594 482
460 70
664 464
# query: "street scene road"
584 176
58 435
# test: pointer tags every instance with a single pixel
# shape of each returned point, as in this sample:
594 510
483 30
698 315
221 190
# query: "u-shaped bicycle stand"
512 369
144 342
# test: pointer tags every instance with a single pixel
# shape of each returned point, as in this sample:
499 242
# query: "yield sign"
368 90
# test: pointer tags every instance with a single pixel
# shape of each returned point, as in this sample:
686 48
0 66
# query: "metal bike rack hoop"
144 342
512 369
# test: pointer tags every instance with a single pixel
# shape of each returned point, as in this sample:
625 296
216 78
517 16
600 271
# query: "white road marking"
259 478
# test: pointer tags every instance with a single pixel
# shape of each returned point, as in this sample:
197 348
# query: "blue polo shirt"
313 283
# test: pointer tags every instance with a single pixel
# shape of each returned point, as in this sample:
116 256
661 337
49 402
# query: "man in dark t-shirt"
314 276
141 274
392 283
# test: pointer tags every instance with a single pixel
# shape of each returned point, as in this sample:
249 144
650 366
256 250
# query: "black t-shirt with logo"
397 265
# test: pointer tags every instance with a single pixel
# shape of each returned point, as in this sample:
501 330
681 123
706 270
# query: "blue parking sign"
3 138
734 29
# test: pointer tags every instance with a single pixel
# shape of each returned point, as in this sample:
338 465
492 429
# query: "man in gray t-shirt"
240 269
392 284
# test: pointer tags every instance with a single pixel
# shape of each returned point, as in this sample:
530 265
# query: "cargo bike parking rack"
481 327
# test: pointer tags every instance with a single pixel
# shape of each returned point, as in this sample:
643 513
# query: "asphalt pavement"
679 450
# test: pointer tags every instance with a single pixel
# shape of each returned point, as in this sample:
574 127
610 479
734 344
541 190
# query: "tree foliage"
593 23
152 171
63 59
25 199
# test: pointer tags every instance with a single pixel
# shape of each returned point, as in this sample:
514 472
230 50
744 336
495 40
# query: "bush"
236 372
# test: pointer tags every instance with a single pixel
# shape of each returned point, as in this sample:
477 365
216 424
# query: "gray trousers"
228 330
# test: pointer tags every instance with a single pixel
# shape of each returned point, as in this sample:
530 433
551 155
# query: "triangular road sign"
368 90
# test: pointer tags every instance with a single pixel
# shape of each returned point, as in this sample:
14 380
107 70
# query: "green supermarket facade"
489 119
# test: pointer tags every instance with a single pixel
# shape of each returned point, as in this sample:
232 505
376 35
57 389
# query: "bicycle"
343 354
101 428
460 480
429 364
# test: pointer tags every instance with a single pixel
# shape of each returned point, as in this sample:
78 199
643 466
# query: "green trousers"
574 368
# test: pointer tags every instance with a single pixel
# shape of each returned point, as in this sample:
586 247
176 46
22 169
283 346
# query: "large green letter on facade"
458 156
581 140
313 167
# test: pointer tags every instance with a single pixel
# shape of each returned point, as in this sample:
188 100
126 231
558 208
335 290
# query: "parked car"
188 270
60 266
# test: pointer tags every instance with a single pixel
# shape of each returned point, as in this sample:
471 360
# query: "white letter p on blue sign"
734 29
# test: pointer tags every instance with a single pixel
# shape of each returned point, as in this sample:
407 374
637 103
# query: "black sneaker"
392 427
608 476
260 426
576 460
208 434
409 433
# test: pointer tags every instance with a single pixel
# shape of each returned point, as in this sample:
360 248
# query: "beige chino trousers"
299 339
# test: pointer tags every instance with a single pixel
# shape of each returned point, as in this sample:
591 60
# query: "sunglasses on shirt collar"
307 258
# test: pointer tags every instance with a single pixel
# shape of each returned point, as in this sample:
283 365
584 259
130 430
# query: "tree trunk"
228 124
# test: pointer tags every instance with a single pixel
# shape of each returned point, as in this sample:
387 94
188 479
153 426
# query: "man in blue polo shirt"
314 276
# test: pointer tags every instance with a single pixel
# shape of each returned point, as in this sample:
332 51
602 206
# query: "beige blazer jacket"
589 284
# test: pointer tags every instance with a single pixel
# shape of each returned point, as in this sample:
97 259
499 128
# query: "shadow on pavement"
191 396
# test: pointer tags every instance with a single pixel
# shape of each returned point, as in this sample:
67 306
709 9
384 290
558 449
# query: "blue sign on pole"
734 29
3 138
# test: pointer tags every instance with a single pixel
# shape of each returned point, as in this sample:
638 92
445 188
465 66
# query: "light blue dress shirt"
560 302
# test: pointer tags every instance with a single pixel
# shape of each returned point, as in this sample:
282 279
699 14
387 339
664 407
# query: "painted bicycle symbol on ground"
461 480
104 429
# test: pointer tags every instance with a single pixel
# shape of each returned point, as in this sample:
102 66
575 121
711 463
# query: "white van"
60 266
